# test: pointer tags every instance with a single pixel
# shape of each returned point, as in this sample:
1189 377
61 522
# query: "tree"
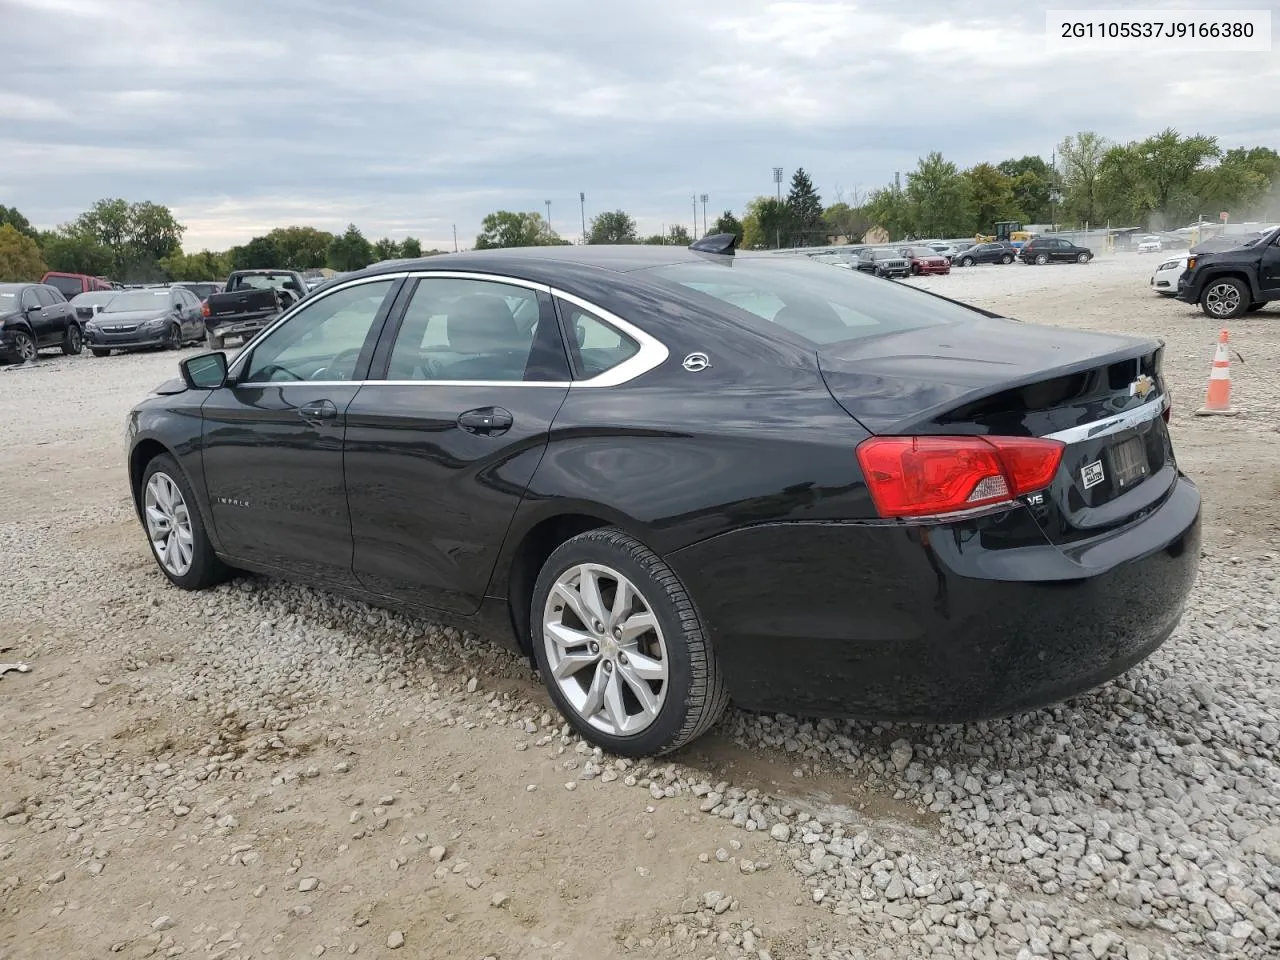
938 198
71 249
205 265
506 229
19 256
386 249
1080 162
990 196
845 221
410 248
728 223
133 236
350 251
1123 194
614 226
10 216
765 224
1033 181
889 210
678 236
153 231
260 253
300 248
804 208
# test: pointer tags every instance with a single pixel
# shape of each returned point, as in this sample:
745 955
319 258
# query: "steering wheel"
269 372
351 354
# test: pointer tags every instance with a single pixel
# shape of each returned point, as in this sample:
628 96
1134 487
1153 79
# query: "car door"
444 438
1269 269
272 439
53 314
37 316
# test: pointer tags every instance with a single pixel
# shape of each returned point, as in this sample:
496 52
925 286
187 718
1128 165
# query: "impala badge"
696 362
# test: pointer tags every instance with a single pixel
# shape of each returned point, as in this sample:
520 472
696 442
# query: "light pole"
777 179
704 198
582 199
695 216
548 203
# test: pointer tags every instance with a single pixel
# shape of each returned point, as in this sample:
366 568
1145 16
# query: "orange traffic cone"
1218 398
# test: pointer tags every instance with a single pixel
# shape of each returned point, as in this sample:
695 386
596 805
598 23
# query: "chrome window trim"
1109 425
652 353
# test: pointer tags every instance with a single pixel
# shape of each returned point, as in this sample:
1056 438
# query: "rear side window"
822 305
595 345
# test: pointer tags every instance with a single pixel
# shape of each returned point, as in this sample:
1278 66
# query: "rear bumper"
237 327
916 623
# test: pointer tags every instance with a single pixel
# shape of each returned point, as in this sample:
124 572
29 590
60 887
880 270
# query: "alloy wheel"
75 340
168 524
1223 299
605 649
25 346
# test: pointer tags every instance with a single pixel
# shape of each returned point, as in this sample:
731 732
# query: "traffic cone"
1217 400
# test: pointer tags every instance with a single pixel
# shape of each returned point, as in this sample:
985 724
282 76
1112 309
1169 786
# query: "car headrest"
481 323
815 320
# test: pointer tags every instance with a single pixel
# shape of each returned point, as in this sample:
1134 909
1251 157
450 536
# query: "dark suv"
1231 283
883 262
999 252
1042 250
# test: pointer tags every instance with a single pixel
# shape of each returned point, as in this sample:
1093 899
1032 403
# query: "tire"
1083 258
173 338
24 346
1007 259
1041 259
99 353
966 261
691 694
73 341
202 568
1225 298
212 340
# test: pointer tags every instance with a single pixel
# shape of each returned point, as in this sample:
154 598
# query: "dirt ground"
151 807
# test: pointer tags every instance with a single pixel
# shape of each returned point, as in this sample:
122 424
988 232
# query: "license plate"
1128 462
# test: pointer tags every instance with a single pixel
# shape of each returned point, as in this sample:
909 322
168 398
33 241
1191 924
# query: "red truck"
73 284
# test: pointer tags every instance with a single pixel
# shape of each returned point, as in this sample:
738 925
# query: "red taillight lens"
924 476
204 309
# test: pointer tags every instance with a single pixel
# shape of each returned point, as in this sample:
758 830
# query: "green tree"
260 253
11 216
410 248
990 196
386 249
845 221
615 226
300 248
1123 193
766 224
504 228
1080 164
1033 181
938 198
728 223
888 209
678 236
71 249
804 209
350 251
154 233
135 236
19 256
205 265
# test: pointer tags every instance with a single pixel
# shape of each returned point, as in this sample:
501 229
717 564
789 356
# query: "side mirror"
208 371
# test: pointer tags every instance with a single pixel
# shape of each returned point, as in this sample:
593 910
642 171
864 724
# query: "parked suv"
1234 282
1044 250
999 252
33 317
883 262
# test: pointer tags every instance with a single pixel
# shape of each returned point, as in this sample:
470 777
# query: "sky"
408 118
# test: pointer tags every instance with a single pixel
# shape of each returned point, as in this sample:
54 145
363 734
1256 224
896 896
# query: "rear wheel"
175 529
621 646
1041 259
1007 258
72 340
99 353
24 345
1225 298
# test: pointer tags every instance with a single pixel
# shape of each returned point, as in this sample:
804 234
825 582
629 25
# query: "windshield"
822 305
139 300
920 252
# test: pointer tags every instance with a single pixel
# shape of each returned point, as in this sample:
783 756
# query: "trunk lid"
1102 395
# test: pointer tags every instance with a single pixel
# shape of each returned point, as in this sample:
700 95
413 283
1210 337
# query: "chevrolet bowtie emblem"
1141 387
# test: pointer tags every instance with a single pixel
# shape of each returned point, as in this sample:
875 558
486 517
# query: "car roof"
15 287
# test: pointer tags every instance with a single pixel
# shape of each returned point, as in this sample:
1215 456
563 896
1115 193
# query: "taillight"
926 476
204 309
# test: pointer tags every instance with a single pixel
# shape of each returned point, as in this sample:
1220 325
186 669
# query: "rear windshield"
261 281
810 299
138 300
67 286
201 290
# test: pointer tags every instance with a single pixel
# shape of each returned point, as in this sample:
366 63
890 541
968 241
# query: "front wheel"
1007 258
1225 299
175 529
621 647
72 341
966 261
173 337
1083 258
24 345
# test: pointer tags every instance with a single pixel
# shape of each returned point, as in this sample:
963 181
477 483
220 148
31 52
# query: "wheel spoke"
595 694
642 690
622 600
646 667
566 637
589 591
573 601
157 519
614 706
636 625
571 663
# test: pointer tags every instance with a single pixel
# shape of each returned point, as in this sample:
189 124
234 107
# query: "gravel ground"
266 770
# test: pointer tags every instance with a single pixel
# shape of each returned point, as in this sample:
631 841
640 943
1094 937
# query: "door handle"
318 410
487 421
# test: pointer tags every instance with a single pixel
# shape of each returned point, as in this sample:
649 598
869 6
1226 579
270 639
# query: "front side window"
46 296
476 330
323 340
595 344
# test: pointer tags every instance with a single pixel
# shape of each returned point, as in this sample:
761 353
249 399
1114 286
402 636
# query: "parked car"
948 250
1165 280
71 284
1150 245
249 301
910 520
998 252
883 262
34 317
925 260
202 290
87 305
1042 250
1232 283
133 319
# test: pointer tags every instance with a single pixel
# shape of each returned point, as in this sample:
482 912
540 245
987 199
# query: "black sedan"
33 317
674 477
1042 250
986 253
157 317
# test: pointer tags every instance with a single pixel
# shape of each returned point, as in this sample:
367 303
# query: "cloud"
408 119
